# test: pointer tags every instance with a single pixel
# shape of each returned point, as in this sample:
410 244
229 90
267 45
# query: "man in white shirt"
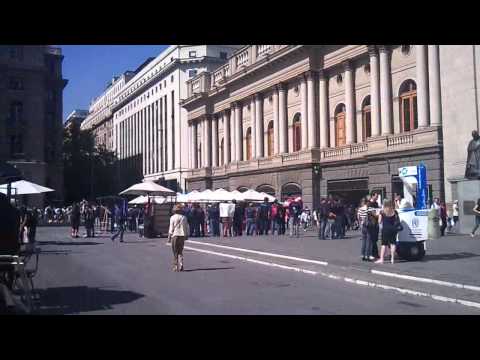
178 233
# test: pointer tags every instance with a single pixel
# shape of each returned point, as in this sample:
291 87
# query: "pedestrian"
264 214
237 219
373 229
305 219
443 218
398 200
214 219
250 214
322 218
177 234
227 219
273 215
362 216
294 210
75 219
456 213
140 224
89 219
436 205
119 223
391 226
476 210
281 219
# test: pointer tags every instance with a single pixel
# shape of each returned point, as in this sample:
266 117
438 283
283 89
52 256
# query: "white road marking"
324 263
426 280
344 278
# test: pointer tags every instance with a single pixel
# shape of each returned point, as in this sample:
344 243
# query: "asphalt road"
96 276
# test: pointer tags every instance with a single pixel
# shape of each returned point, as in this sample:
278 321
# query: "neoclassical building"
317 120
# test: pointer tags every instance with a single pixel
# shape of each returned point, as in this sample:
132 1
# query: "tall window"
270 140
340 136
16 113
249 143
297 133
408 106
366 119
222 154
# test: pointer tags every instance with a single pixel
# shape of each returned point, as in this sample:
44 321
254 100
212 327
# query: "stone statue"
472 170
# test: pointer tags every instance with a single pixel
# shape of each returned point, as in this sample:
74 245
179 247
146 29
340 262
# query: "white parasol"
148 188
24 187
142 200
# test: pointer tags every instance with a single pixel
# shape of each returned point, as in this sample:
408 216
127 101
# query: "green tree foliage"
89 171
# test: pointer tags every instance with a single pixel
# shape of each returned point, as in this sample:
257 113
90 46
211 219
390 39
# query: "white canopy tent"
142 200
148 188
23 187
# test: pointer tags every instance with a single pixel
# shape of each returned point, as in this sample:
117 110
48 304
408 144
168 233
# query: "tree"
89 171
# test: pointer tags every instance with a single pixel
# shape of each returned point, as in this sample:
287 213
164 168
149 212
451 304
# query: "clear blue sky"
89 68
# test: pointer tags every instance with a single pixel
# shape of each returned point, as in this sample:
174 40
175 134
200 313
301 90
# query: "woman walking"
390 227
75 219
178 233
362 218
476 210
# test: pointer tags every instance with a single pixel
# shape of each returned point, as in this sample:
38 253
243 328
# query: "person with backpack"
177 234
391 226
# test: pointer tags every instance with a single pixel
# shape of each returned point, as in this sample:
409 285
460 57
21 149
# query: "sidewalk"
453 258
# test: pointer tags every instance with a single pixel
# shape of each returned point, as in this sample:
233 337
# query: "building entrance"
351 191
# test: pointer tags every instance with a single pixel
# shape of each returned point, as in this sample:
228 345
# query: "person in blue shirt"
264 212
120 222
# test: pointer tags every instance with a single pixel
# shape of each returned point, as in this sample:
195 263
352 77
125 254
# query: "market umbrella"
270 197
24 187
253 195
142 200
222 195
148 188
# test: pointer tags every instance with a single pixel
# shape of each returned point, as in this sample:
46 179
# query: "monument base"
467 192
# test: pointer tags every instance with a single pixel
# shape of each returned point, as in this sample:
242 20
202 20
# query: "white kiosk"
413 213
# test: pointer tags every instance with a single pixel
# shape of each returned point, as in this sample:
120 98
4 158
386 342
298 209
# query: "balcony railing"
264 49
423 138
242 58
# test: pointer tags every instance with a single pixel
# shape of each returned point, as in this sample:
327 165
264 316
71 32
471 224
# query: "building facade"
319 120
100 116
75 118
31 107
150 130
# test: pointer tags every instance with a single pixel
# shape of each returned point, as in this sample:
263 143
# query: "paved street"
96 276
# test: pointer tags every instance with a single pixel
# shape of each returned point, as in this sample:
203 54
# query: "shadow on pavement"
208 269
454 256
73 242
55 252
76 299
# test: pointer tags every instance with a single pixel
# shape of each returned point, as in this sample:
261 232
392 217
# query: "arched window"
297 133
249 143
268 189
408 106
270 140
291 190
340 135
366 119
222 153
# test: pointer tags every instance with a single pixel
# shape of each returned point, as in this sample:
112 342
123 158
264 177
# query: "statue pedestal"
467 192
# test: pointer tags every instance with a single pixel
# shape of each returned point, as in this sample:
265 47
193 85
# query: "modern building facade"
31 107
100 117
75 118
322 119
150 130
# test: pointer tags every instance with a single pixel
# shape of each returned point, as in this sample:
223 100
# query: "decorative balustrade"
196 85
241 59
264 49
397 140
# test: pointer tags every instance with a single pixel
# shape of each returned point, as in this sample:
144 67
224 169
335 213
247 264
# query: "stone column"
312 113
374 91
259 127
226 136
304 111
276 130
253 121
434 85
208 141
282 118
233 128
194 145
422 85
324 118
215 146
349 103
239 132
385 90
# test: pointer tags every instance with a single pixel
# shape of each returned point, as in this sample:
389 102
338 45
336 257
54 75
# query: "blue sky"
89 68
